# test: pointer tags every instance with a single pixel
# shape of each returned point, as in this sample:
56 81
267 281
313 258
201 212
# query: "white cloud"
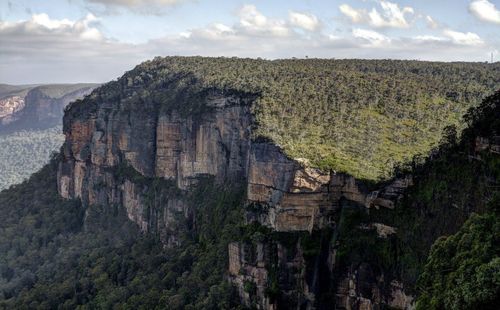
356 16
391 15
373 37
463 38
251 17
214 31
429 38
43 25
136 3
253 21
43 49
151 7
485 11
304 20
431 23
44 20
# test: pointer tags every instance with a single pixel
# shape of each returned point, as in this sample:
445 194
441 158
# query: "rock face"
491 144
146 158
252 267
10 106
361 289
154 145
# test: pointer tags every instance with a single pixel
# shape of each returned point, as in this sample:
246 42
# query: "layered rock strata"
115 151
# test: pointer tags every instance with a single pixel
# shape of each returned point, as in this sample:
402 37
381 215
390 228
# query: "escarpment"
217 183
308 238
147 158
153 144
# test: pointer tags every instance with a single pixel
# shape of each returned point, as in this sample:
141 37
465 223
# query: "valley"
30 126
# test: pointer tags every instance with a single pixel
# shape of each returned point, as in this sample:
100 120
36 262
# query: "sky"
70 41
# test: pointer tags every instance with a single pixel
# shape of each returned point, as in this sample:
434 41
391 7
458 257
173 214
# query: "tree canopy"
362 117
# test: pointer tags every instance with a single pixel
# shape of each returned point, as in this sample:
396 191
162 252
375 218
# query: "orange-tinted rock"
8 108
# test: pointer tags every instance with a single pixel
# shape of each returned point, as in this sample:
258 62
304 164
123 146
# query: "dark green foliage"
250 287
358 244
463 270
49 259
363 117
449 185
348 115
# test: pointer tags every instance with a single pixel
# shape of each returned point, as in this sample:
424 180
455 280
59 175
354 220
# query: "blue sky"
97 40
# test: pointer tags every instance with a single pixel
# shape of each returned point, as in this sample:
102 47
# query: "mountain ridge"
227 216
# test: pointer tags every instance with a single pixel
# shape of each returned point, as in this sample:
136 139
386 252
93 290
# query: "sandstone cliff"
146 155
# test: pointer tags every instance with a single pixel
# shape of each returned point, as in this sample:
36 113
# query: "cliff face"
147 158
10 106
155 145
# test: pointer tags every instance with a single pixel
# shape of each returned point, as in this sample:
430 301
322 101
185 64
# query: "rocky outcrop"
300 198
491 144
216 144
250 274
362 289
9 107
146 156
269 275
296 198
113 154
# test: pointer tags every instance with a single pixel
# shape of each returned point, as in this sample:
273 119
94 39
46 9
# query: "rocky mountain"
38 106
30 126
193 162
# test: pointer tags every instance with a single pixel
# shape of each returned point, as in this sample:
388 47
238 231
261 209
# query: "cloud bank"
390 15
43 49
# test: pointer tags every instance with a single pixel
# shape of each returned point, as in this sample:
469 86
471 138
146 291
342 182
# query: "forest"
23 153
372 119
362 117
448 235
50 257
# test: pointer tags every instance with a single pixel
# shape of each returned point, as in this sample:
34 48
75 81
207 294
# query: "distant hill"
30 126
36 106
24 152
7 90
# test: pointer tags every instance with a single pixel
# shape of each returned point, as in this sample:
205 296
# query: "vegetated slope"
460 178
7 90
49 259
30 126
57 91
23 153
51 256
362 117
463 270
